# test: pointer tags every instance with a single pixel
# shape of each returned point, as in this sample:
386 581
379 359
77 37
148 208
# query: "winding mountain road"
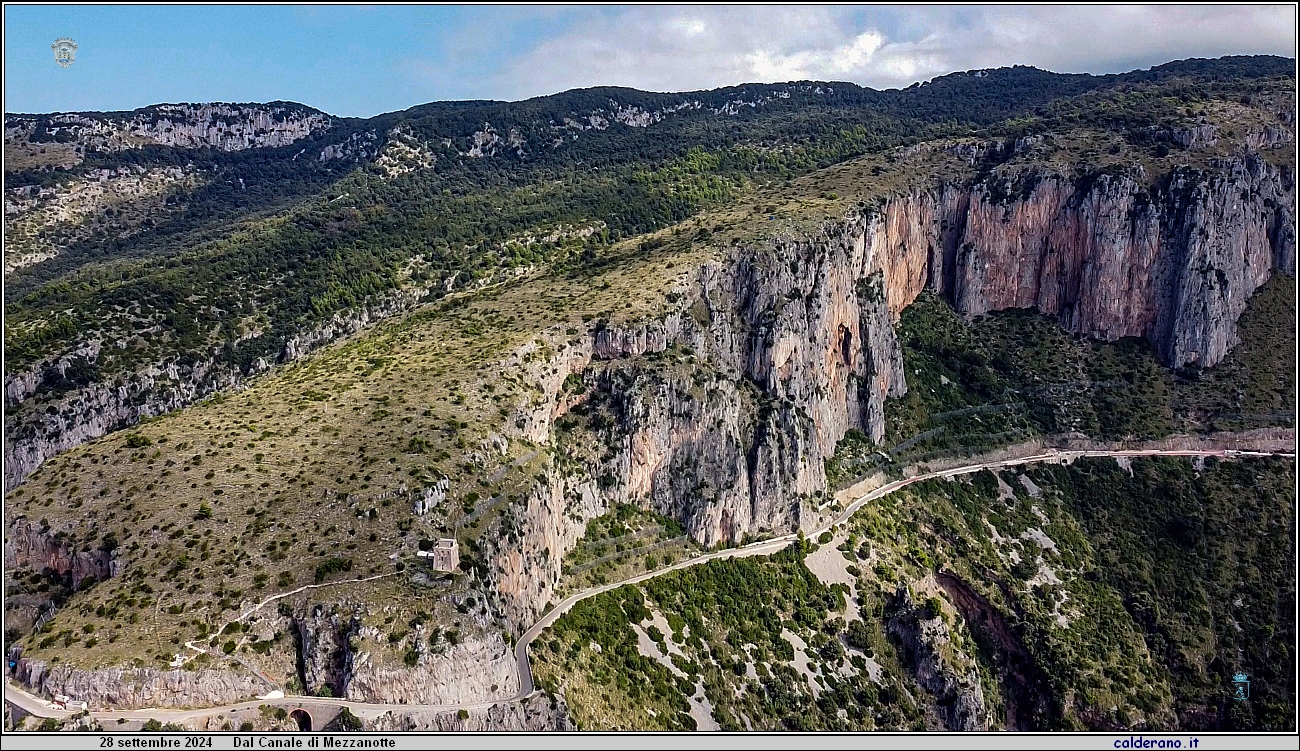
40 708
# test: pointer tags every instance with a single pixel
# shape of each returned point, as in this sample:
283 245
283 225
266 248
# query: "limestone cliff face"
536 714
1107 255
781 348
324 650
134 688
227 127
334 653
478 667
1228 235
29 546
727 406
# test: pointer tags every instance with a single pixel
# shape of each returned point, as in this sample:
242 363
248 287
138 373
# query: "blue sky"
363 60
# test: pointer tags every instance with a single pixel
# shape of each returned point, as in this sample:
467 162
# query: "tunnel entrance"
303 719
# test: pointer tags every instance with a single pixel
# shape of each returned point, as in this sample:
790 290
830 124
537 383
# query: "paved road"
39 708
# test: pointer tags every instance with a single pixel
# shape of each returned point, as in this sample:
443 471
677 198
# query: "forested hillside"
297 236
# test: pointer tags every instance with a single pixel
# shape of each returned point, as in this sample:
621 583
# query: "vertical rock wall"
793 339
1108 255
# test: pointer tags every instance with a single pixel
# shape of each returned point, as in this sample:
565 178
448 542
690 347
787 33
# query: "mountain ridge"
1228 64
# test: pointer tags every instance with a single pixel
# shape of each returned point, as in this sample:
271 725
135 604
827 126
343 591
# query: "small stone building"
445 555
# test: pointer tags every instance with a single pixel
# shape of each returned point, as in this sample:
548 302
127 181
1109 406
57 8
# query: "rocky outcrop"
335 658
134 688
325 654
535 714
1269 136
226 127
1189 137
28 545
359 146
480 668
949 675
1228 233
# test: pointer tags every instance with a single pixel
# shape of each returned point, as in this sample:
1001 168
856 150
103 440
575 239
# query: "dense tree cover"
720 617
1204 563
1156 568
1090 596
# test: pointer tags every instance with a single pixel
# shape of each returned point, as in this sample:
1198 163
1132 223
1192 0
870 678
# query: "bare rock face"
28 545
949 675
227 127
790 345
1228 233
324 650
1108 256
134 688
684 450
330 641
480 668
535 714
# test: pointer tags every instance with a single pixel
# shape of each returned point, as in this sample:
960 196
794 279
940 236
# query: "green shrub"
332 566
348 722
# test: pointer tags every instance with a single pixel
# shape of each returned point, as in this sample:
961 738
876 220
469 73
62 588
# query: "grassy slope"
248 494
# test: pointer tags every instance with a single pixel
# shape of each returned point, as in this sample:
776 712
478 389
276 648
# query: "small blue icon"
1241 687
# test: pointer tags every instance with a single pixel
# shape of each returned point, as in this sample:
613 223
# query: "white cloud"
845 59
688 26
667 49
